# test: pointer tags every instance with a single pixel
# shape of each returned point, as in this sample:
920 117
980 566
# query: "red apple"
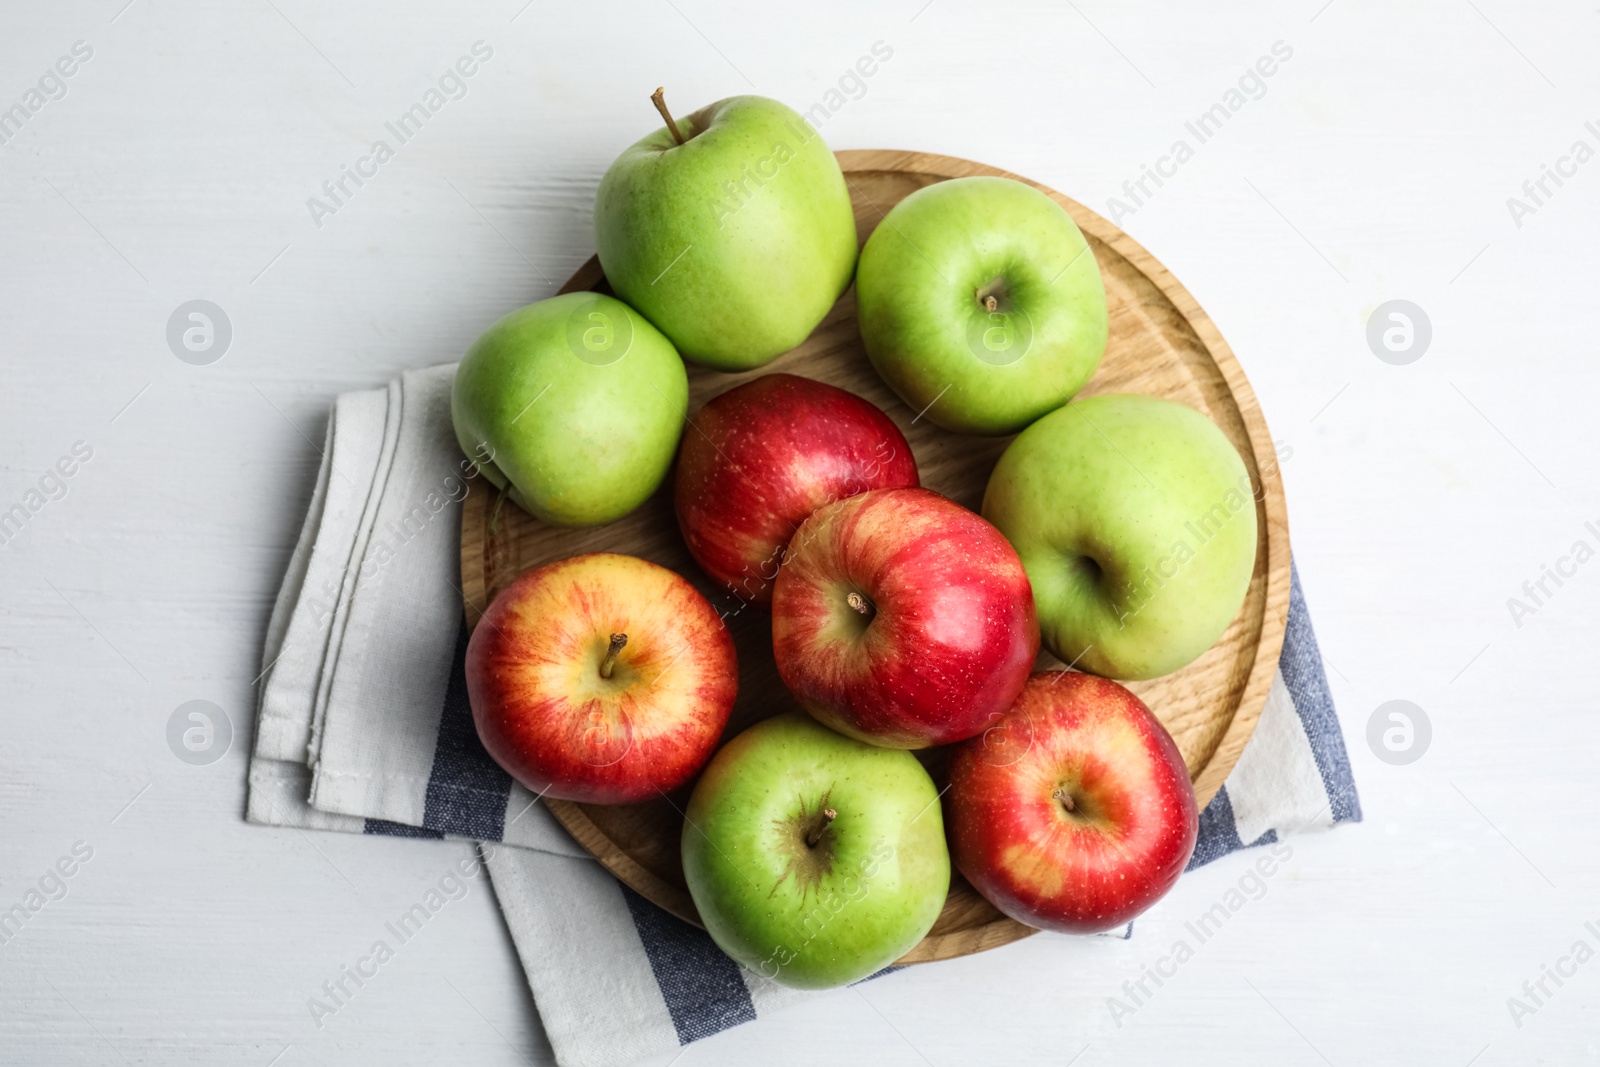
903 619
601 678
1074 811
761 457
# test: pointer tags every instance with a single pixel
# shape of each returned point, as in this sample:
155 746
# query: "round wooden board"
1161 342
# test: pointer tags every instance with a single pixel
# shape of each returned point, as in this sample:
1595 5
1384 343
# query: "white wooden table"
1374 164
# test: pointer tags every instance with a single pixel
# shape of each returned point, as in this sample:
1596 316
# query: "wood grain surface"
1161 342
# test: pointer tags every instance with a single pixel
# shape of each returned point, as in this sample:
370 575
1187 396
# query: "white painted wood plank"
1376 165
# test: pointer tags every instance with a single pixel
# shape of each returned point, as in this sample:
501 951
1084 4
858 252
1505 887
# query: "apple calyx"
659 99
609 664
816 832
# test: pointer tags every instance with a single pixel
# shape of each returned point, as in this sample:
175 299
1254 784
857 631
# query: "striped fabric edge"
1300 669
703 991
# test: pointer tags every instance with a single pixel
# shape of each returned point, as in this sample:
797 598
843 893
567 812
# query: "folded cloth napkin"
363 726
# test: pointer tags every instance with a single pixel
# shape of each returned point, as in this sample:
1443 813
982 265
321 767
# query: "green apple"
981 304
731 230
574 405
1136 522
815 860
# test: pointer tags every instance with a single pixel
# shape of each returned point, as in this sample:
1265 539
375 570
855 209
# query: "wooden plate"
1161 342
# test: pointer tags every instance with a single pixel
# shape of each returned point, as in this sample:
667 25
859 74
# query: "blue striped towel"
363 726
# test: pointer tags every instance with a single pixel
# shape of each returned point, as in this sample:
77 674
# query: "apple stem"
608 664
659 99
859 602
990 303
1066 799
828 815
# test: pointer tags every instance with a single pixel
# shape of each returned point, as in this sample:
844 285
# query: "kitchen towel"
363 726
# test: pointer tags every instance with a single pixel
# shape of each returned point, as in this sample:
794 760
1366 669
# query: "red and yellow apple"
902 619
602 679
1073 812
762 457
